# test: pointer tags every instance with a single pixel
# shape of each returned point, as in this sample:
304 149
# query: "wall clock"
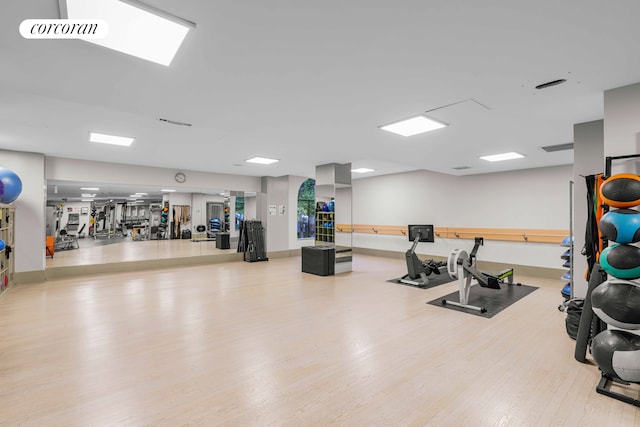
180 177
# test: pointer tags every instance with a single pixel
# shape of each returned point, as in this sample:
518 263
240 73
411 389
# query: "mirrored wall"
91 223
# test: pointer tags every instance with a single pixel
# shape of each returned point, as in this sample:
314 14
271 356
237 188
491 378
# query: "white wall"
533 198
250 207
30 209
87 171
278 227
588 139
622 127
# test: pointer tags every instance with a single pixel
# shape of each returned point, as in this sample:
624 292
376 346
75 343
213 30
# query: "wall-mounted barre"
499 234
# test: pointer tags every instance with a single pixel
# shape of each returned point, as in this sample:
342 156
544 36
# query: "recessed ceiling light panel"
262 160
135 28
362 170
89 188
503 156
414 126
110 139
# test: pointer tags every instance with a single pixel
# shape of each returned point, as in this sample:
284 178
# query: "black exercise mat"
434 280
494 300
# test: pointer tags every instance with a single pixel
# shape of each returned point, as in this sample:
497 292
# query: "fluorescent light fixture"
262 160
110 139
164 190
90 188
504 156
135 28
413 126
86 200
86 195
362 170
142 194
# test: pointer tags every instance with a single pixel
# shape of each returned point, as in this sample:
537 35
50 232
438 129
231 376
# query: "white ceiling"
310 82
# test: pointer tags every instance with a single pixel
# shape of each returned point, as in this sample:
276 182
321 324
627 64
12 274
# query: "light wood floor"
92 252
262 344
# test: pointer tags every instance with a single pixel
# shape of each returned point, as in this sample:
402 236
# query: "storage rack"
604 385
7 259
325 229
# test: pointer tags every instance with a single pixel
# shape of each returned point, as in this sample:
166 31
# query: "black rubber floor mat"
493 300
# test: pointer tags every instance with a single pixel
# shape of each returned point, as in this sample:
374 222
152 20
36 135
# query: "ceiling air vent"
551 83
461 168
559 147
173 122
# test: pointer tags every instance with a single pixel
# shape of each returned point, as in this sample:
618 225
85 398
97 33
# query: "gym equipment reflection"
158 226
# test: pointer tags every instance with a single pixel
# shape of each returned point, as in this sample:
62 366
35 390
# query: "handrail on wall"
500 234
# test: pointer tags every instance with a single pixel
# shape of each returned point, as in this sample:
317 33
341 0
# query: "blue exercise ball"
10 185
621 225
617 303
617 354
2 244
621 261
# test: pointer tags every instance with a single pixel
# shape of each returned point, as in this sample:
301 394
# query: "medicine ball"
617 354
621 261
621 225
621 190
617 303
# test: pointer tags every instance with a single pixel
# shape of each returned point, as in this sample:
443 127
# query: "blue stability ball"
617 354
2 245
621 225
621 261
617 303
10 187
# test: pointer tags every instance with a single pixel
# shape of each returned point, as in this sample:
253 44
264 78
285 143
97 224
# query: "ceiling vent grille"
173 122
461 168
559 147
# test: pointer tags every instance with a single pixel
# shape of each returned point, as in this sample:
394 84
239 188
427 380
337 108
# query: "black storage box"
319 260
223 241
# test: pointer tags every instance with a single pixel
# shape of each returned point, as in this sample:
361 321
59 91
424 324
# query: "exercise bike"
462 266
417 270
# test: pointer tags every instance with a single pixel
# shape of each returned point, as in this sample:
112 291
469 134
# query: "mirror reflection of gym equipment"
218 215
64 238
113 238
103 220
